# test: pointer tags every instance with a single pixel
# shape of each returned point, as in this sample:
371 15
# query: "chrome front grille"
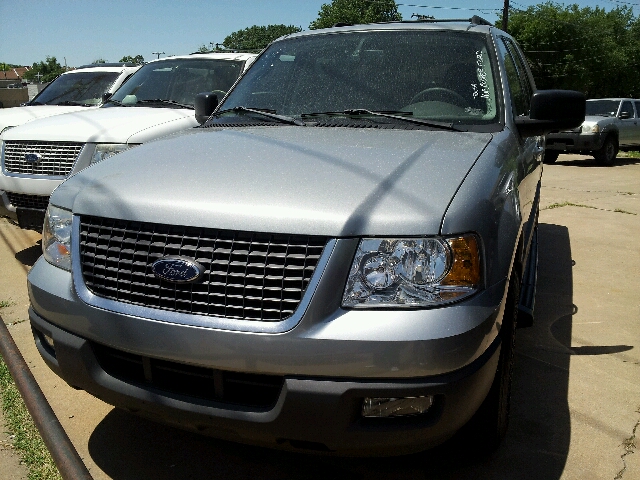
247 275
55 159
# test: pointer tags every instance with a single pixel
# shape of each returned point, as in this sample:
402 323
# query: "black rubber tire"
488 427
550 157
608 153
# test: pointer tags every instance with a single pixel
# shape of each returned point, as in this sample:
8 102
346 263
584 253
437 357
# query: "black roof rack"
475 20
121 64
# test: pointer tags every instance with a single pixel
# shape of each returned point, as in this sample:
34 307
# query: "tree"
356 11
138 59
256 38
99 60
44 71
585 49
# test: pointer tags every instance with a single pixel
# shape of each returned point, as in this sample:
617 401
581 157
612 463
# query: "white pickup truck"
610 125
75 90
156 101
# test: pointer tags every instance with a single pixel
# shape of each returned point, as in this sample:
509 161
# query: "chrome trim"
41 176
252 326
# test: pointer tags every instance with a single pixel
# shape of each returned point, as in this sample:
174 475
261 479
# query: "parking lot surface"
576 400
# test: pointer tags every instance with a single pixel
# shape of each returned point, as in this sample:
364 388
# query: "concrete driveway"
576 399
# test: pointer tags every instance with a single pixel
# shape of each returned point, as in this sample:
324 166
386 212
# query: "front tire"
608 153
488 427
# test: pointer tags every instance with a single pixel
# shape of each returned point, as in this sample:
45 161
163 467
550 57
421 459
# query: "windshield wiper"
71 102
396 115
167 102
265 113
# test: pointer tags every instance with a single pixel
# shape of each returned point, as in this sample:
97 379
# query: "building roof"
14 73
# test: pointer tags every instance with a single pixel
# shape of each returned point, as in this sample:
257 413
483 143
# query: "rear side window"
627 107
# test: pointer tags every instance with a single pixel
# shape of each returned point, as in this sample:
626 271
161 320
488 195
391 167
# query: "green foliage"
355 11
138 59
27 441
99 60
587 49
255 38
48 70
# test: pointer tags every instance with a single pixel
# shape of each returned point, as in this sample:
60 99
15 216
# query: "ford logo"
32 157
177 269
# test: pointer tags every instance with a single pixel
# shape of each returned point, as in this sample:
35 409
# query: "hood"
106 125
338 182
12 117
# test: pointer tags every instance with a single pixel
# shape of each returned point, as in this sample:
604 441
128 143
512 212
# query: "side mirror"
205 104
624 115
552 110
106 96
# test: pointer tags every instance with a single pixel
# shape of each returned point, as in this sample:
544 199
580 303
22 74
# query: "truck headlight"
56 237
106 150
412 272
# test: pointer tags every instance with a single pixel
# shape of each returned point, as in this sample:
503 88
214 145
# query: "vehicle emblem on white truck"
32 157
177 269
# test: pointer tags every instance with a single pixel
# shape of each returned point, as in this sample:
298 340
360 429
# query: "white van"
157 100
75 90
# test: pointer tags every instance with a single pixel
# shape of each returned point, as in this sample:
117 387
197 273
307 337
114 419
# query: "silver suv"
611 124
335 261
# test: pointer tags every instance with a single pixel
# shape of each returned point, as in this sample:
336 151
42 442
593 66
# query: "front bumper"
322 368
574 142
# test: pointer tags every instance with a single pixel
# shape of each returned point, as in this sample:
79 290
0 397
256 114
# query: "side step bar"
528 288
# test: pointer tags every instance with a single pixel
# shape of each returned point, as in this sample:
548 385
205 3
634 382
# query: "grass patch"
27 441
7 303
567 204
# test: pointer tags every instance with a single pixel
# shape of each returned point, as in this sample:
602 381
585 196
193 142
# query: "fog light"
48 340
396 407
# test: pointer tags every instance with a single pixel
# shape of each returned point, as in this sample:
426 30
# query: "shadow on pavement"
127 447
28 256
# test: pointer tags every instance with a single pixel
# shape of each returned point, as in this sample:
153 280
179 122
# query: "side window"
637 109
627 107
519 85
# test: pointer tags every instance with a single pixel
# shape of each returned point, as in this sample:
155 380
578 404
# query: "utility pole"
157 53
505 16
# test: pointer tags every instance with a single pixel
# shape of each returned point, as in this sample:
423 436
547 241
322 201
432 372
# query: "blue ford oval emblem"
177 269
32 157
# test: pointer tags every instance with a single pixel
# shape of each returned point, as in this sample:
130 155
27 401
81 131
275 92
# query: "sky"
78 32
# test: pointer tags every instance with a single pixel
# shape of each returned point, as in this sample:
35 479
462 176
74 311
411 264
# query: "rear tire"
488 427
550 157
608 153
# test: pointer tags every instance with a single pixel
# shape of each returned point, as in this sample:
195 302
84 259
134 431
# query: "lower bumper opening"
242 389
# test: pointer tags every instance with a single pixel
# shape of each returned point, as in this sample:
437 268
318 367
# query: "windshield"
85 88
426 74
602 108
178 81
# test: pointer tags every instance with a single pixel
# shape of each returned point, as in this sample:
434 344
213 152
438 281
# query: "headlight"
106 150
412 272
56 237
591 128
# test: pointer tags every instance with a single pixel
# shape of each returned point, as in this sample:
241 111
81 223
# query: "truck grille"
55 159
249 276
22 200
249 390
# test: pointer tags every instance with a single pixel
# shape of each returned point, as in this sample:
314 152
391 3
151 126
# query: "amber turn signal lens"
465 269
